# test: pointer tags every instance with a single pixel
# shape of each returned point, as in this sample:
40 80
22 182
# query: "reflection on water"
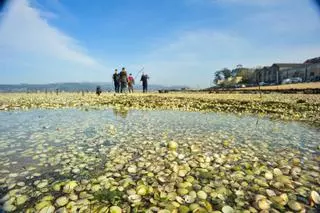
122 112
161 159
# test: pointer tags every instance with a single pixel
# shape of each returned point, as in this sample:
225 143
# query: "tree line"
230 78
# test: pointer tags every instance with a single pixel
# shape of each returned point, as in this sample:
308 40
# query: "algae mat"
112 160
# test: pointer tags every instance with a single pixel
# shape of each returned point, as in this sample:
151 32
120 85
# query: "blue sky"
178 42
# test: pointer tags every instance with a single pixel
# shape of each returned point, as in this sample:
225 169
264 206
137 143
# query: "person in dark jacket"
98 90
116 81
144 79
123 80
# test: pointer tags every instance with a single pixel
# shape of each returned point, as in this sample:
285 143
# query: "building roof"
288 64
312 61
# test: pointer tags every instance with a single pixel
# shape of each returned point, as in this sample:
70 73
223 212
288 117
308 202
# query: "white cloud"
260 38
48 14
24 30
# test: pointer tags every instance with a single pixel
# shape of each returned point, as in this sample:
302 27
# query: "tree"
217 77
248 75
226 73
222 75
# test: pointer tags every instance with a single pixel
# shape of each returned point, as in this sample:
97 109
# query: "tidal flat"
146 153
299 107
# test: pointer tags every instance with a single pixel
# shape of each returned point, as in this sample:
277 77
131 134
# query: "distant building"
280 71
313 69
299 71
262 74
276 73
308 71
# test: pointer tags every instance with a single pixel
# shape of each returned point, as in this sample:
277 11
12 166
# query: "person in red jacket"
130 83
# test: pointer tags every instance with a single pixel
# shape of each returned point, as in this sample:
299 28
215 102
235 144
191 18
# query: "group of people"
122 81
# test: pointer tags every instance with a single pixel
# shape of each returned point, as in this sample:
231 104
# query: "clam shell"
8 207
62 210
184 209
42 184
189 199
268 175
227 209
69 187
294 205
202 195
132 169
270 193
62 201
115 209
172 145
142 190
42 204
47 209
21 199
277 172
264 204
194 206
315 197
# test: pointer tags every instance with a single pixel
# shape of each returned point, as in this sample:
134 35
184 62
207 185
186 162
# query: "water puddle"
74 160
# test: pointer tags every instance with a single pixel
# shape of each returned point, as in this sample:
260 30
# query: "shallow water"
70 144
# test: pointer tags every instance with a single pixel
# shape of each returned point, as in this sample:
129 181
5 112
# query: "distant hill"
73 87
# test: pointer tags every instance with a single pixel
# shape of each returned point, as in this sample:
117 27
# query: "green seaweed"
112 197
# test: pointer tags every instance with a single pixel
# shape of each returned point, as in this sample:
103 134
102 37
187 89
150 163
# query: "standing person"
123 80
98 90
144 79
130 83
116 81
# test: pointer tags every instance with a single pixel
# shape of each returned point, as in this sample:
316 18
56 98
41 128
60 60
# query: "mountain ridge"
74 87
